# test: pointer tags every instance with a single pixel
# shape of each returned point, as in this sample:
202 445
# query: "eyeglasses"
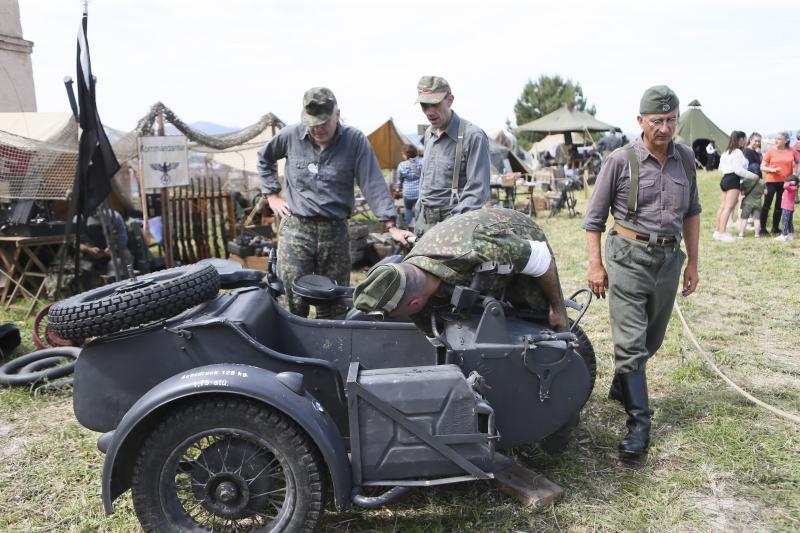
657 123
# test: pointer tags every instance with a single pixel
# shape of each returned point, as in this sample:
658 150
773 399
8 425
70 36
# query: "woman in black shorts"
733 166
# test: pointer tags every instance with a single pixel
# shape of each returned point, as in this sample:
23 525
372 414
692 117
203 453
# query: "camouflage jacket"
452 250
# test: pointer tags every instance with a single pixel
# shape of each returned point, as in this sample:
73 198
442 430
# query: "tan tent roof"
551 141
59 128
387 143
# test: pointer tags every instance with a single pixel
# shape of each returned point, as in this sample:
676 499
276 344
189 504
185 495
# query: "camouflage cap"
432 90
318 106
658 100
382 289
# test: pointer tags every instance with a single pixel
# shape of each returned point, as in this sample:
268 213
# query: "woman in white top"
733 165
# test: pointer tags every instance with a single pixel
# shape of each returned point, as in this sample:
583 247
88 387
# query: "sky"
230 62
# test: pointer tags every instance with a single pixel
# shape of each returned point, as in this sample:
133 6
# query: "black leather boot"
634 392
615 392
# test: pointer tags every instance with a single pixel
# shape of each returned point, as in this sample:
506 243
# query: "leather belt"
317 218
661 240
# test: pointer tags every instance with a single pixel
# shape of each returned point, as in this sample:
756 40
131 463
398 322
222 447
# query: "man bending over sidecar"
505 249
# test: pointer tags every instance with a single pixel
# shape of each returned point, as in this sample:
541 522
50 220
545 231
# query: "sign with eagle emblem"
165 161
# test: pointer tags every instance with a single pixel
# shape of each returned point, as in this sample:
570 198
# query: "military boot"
615 392
634 392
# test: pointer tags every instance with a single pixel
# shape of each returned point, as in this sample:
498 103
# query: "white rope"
737 388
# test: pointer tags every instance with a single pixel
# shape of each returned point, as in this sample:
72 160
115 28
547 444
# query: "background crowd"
753 183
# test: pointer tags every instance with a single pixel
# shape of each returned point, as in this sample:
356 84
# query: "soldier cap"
382 289
319 104
432 90
658 100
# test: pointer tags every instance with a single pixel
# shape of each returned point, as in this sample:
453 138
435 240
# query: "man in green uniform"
650 189
521 268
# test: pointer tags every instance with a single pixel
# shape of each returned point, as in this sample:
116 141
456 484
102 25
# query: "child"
752 191
787 205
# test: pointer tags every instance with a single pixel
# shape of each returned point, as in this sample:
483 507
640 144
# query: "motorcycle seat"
316 289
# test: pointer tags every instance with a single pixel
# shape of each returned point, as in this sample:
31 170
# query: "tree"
544 96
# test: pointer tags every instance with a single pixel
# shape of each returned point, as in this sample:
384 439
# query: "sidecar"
235 415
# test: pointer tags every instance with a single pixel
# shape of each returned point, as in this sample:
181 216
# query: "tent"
552 141
387 143
516 160
565 120
696 130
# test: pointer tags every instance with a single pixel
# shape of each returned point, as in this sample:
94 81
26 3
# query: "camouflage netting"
45 169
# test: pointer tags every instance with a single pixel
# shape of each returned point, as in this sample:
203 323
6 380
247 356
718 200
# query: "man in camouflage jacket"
451 251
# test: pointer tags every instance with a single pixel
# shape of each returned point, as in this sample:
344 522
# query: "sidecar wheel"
557 442
130 303
228 465
586 351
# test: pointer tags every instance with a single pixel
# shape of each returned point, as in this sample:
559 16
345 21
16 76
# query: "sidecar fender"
283 392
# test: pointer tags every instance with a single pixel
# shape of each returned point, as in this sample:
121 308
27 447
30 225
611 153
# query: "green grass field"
717 462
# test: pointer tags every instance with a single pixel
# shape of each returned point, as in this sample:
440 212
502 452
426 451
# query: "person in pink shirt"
787 205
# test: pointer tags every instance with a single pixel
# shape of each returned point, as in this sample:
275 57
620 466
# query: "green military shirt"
754 193
452 250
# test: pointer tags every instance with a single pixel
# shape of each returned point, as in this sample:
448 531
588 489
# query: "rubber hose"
10 373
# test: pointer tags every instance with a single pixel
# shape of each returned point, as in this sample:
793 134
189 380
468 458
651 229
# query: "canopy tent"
565 120
552 141
387 143
696 130
499 153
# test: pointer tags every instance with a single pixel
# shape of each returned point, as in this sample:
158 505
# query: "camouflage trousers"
642 283
308 246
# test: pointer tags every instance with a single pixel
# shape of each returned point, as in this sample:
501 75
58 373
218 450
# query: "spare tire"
130 303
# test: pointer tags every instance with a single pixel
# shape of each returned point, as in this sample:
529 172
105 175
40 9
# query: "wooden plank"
530 488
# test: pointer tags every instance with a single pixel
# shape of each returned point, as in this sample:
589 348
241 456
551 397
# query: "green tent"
566 120
696 130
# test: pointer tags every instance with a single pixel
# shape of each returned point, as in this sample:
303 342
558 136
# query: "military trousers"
311 246
642 282
428 217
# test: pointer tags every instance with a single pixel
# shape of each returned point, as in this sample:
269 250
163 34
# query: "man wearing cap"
650 188
324 159
455 172
524 269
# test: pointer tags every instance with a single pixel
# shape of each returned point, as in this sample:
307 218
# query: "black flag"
97 163
96 160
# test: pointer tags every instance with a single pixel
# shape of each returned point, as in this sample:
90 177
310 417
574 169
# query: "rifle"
222 219
204 219
190 242
174 229
214 220
184 254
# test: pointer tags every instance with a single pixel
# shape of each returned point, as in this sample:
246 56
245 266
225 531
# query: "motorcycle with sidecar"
221 411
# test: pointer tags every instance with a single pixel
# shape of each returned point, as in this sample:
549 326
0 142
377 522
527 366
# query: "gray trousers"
312 247
642 283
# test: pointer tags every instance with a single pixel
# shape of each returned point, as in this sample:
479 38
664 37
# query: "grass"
717 462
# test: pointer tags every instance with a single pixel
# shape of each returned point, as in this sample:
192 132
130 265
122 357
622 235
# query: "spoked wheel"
44 336
228 466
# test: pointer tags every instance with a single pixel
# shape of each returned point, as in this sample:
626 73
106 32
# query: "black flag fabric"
97 163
